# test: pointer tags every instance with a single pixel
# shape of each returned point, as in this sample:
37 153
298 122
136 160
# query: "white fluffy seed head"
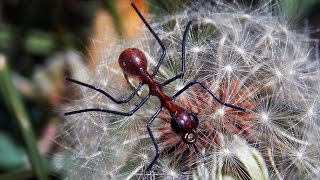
252 60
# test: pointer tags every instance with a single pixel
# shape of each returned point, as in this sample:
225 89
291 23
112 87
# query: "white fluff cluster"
247 57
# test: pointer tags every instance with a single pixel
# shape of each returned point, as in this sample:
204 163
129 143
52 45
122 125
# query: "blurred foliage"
31 32
14 103
299 9
11 155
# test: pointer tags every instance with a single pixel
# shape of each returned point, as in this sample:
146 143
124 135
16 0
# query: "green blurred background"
39 41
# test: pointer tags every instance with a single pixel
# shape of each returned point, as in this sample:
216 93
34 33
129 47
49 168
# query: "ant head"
185 125
133 61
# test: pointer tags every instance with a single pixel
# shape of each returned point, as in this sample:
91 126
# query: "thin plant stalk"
14 103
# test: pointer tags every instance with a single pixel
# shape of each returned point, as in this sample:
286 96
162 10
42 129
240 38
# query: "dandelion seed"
208 21
299 155
226 152
278 73
245 16
179 85
221 112
310 112
264 117
291 72
240 50
228 68
145 157
196 49
172 173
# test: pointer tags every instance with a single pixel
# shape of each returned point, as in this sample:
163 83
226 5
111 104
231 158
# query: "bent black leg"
164 51
183 57
153 140
110 111
210 92
105 93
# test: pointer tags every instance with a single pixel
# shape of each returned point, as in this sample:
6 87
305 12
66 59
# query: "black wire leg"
183 57
210 92
164 51
105 93
110 111
153 140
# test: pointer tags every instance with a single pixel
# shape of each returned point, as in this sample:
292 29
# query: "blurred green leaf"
11 155
39 42
14 103
5 37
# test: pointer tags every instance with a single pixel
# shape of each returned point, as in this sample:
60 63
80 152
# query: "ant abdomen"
185 125
133 62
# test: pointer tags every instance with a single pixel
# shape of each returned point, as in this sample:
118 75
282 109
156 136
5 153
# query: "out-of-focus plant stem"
14 103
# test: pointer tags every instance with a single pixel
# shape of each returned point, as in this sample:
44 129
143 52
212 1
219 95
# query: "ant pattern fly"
133 62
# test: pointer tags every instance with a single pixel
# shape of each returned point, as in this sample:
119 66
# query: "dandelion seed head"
247 57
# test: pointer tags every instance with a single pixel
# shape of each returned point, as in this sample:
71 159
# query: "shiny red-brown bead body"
133 62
